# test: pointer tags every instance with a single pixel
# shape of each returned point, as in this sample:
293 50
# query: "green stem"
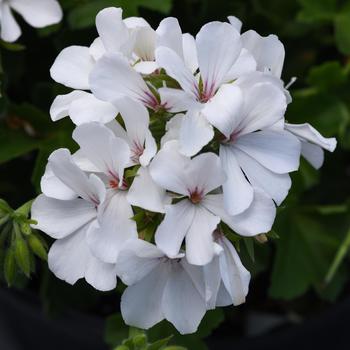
339 257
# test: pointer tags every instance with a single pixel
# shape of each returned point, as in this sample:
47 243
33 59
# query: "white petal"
277 151
218 46
245 64
114 227
199 238
182 304
149 151
238 193
99 144
100 275
53 187
135 22
264 105
38 13
267 51
190 52
176 100
90 188
224 109
89 109
68 257
97 49
146 68
172 230
135 117
169 34
168 169
146 194
84 163
61 105
72 67
235 22
235 276
70 260
258 218
111 29
175 68
172 129
306 132
204 172
223 297
313 154
212 282
136 260
274 185
145 43
195 133
10 30
112 77
60 218
141 303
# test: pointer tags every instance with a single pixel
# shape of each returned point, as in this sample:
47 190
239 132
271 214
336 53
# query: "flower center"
196 196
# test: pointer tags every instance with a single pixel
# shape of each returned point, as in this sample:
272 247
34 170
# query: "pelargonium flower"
182 138
160 288
197 215
37 13
132 41
67 210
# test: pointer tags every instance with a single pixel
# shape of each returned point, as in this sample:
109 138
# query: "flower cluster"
183 144
38 13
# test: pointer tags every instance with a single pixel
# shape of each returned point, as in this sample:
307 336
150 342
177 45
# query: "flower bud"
22 255
10 267
37 247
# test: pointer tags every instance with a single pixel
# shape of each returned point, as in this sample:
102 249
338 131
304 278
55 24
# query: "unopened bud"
140 340
37 247
22 255
10 267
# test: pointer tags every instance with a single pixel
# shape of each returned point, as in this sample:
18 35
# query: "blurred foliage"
304 265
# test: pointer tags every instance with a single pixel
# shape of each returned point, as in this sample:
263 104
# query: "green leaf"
342 32
84 15
304 252
317 10
249 244
159 344
327 75
211 320
15 144
115 330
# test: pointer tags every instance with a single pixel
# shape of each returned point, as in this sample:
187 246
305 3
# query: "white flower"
116 74
67 211
99 144
109 156
255 151
196 217
312 143
226 279
37 13
252 153
220 60
160 288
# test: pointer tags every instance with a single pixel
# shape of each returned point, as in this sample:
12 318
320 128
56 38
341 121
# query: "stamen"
196 195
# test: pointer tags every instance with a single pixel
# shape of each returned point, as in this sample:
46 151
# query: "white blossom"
67 210
197 215
37 13
160 288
